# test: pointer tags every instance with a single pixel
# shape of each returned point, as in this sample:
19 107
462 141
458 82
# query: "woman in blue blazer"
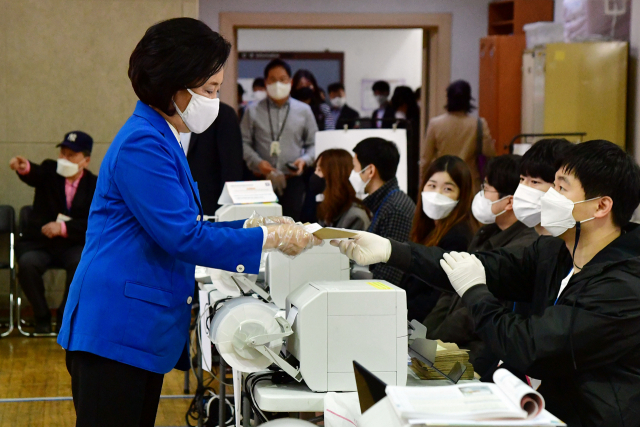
127 315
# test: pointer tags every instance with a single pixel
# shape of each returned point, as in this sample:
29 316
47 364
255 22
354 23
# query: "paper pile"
446 356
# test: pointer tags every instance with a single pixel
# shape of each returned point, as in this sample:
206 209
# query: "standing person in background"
442 218
55 232
374 173
215 157
339 206
305 88
418 95
342 114
408 115
382 117
278 135
456 132
241 103
259 89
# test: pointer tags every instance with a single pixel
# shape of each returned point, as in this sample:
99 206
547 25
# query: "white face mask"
339 101
357 183
279 90
200 113
481 208
381 99
526 205
67 168
557 212
436 205
259 95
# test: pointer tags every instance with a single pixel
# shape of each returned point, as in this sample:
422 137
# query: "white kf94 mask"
557 212
437 206
526 205
66 168
200 113
481 208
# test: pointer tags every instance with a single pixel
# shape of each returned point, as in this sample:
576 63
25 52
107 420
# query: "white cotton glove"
464 271
365 248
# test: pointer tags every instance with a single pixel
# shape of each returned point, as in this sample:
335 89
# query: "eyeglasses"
484 189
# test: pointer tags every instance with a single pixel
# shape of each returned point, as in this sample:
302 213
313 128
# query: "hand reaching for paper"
365 249
290 239
464 271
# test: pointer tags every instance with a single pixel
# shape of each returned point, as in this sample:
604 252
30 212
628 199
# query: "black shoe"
43 325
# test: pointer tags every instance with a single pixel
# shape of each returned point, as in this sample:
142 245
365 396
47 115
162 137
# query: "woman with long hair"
407 113
305 88
340 207
443 218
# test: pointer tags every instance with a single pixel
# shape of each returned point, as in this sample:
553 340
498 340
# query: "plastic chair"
7 227
25 213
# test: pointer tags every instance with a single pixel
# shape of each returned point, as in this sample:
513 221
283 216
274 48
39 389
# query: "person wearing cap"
55 232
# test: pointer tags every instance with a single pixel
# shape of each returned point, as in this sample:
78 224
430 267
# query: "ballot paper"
447 354
327 233
244 192
508 398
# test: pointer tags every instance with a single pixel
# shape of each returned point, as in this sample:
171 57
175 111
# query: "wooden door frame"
436 47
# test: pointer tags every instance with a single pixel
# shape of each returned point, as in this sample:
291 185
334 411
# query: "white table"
297 397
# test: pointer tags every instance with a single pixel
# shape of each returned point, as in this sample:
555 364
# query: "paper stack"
446 356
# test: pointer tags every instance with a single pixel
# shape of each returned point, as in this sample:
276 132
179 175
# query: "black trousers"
107 393
293 197
34 258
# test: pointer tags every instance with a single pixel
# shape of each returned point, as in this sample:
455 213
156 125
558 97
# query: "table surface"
297 397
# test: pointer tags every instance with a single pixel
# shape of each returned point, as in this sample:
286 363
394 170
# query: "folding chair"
7 227
25 212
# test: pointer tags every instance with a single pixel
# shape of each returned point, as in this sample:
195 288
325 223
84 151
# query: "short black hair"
383 154
335 87
172 55
459 97
604 169
503 173
258 82
240 90
541 160
274 63
381 86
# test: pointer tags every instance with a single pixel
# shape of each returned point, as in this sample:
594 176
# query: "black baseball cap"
77 141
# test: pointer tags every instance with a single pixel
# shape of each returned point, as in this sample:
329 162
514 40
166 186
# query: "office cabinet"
577 87
500 91
509 16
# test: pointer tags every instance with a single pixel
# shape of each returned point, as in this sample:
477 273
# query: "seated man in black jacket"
55 233
585 346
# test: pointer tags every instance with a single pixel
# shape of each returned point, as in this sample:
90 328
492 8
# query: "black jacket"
420 298
585 347
388 117
50 200
450 320
348 116
215 157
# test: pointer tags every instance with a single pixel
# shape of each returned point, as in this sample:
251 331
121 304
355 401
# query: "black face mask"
316 184
303 94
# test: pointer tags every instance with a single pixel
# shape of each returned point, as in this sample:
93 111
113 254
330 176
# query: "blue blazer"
130 299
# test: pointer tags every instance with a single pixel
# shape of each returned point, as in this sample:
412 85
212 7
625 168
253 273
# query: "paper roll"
238 320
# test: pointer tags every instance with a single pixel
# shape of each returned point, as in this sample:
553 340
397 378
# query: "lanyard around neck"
284 122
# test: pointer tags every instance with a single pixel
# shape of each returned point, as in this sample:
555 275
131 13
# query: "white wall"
469 21
368 54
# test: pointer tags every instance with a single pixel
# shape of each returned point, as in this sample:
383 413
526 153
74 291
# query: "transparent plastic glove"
278 180
464 271
290 239
365 248
257 220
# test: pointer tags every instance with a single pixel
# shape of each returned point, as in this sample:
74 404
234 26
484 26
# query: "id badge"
275 149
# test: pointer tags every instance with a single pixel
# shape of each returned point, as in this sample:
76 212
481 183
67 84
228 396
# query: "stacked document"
508 402
446 356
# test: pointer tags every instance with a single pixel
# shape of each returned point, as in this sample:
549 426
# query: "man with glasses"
278 135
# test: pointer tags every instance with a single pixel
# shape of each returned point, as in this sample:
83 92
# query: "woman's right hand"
290 239
19 164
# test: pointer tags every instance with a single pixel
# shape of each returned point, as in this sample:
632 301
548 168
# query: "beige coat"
455 134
